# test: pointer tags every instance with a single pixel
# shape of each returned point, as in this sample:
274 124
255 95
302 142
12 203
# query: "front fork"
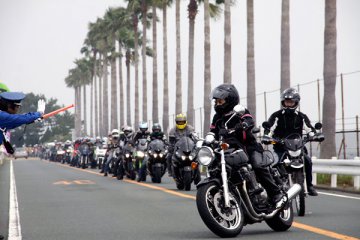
224 179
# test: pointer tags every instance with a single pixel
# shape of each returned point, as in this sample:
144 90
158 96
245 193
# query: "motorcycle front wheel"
298 177
223 221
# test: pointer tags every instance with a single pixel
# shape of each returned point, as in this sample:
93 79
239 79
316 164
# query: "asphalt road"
59 202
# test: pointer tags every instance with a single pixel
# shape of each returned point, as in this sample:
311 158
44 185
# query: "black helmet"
156 127
229 93
290 94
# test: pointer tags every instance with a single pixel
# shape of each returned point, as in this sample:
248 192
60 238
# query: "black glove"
223 133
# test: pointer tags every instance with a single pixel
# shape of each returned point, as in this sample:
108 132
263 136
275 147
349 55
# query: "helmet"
180 121
98 139
68 142
290 94
156 128
227 92
143 126
115 134
127 130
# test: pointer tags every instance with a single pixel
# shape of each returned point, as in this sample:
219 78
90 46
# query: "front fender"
208 180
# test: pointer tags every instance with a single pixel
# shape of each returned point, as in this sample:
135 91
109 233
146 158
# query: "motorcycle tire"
187 181
298 177
157 175
283 220
221 221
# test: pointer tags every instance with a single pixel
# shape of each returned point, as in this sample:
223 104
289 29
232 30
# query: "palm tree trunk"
105 125
101 108
92 106
96 97
85 112
144 19
79 134
114 102
227 42
251 89
207 68
166 83
178 108
285 46
128 104
155 104
76 123
192 9
136 61
328 148
121 103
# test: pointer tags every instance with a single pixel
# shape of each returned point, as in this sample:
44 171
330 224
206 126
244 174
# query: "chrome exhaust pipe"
293 191
291 194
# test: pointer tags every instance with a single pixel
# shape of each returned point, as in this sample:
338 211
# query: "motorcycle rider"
180 130
157 133
141 133
226 97
115 138
289 120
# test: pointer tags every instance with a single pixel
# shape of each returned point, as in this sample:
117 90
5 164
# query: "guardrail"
337 166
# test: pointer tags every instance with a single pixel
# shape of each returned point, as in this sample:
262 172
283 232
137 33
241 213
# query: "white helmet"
115 133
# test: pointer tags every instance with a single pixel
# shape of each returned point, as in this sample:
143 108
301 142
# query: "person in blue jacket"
10 103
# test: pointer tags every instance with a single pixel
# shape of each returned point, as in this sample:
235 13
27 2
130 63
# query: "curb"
344 190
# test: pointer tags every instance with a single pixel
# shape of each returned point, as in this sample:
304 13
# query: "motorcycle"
230 196
139 156
129 161
68 153
290 166
185 161
100 155
84 151
60 153
156 164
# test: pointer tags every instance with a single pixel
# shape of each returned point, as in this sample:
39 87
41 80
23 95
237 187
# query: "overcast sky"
40 39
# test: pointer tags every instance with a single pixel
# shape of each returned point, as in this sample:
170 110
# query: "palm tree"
192 10
73 81
328 148
155 104
285 46
165 4
134 7
144 10
227 41
251 92
178 108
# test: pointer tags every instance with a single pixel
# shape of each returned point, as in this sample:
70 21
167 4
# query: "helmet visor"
218 93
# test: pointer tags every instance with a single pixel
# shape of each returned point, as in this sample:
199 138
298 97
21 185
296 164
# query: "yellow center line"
295 224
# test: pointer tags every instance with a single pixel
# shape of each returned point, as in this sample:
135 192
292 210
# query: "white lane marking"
338 195
14 217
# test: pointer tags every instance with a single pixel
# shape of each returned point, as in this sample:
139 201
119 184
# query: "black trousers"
263 174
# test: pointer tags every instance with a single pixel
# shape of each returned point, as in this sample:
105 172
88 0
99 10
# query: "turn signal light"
224 146
194 165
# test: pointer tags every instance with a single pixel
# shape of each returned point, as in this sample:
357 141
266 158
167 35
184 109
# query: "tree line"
122 33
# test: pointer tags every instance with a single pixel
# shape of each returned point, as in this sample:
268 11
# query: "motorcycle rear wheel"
187 181
283 220
224 222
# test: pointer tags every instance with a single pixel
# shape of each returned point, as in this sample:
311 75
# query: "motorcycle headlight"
295 153
205 156
191 158
161 155
140 154
155 155
127 155
183 158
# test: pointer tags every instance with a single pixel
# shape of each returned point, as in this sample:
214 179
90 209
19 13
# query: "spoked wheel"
299 201
223 221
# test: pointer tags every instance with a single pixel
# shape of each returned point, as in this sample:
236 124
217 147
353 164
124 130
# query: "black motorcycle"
129 161
156 165
184 159
230 197
291 166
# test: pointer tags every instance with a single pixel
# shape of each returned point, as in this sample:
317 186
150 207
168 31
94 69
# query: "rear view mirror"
266 125
318 126
239 109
